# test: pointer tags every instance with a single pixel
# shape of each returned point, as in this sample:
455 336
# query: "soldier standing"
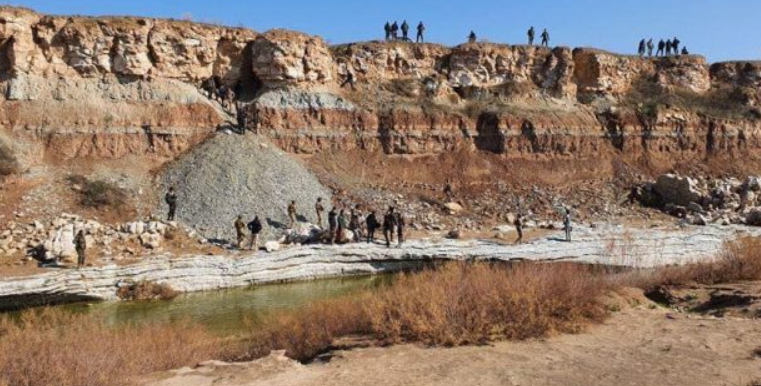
668 47
661 46
519 227
448 192
420 31
255 226
472 37
80 244
675 45
531 34
342 225
545 38
389 223
387 28
405 31
242 118
292 214
240 227
171 200
400 228
641 49
394 31
319 209
567 224
332 223
372 224
650 47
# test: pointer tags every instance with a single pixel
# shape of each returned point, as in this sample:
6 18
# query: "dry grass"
739 260
455 305
8 163
147 290
98 194
52 347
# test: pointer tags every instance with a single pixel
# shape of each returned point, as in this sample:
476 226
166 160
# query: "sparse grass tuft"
8 162
98 194
147 290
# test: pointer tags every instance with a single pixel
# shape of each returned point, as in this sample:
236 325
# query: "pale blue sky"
719 29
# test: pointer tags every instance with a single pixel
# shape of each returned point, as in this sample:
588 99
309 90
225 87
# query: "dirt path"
642 346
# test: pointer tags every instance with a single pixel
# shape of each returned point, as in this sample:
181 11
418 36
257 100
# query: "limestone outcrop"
608 245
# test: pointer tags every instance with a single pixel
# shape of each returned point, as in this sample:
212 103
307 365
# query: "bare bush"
147 290
98 194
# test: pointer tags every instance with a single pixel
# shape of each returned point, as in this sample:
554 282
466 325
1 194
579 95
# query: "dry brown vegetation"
146 290
8 163
98 194
739 260
52 347
456 304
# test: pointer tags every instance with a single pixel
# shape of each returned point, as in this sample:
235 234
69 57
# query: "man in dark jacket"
389 224
661 48
531 34
405 31
255 227
545 38
519 227
387 28
400 223
372 226
171 201
420 32
80 244
395 31
332 224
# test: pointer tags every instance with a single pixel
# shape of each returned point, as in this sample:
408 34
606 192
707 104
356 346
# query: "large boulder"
60 244
282 57
677 190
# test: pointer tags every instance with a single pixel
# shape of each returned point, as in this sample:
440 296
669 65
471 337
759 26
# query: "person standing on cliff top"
395 31
80 244
472 37
319 210
650 47
661 46
684 51
171 201
531 33
420 31
641 50
292 214
405 31
669 47
545 38
389 223
240 227
675 45
387 28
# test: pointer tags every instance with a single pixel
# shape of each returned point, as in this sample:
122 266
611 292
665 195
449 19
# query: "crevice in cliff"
490 137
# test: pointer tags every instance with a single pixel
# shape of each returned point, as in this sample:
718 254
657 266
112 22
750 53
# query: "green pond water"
230 311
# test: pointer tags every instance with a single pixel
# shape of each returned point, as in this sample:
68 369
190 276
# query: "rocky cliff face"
107 87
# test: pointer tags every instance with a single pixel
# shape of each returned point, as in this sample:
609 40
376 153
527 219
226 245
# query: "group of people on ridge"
665 48
472 38
392 32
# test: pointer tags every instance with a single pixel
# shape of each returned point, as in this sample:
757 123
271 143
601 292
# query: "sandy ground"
646 345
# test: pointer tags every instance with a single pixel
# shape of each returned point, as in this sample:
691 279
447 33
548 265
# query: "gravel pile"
234 174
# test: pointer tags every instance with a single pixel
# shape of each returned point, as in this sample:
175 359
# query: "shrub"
53 347
98 194
8 162
147 290
455 305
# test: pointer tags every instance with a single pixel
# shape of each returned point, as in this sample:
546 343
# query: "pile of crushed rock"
231 175
702 201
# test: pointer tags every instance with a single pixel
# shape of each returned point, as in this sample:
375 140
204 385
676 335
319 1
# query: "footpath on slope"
609 245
